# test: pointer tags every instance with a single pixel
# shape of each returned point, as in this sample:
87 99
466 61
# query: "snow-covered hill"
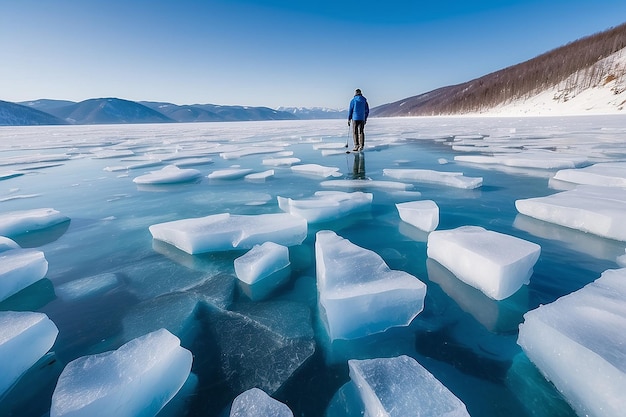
599 89
583 77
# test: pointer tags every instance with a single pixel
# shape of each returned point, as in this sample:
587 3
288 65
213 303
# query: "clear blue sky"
276 52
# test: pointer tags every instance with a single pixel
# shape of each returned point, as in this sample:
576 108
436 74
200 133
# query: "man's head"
357 92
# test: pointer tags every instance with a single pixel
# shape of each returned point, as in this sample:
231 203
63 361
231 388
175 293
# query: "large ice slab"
591 209
7 244
423 214
256 403
229 173
367 184
137 379
538 159
18 222
359 293
20 268
450 179
608 174
227 231
495 263
262 269
170 174
578 343
316 170
25 337
326 205
401 387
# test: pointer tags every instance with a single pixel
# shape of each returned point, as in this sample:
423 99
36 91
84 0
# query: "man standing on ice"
359 110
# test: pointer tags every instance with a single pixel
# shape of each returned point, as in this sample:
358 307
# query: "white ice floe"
262 269
193 161
539 159
86 287
609 174
423 214
401 387
17 222
7 244
137 379
316 170
368 184
251 150
256 403
260 176
170 174
281 161
111 153
229 173
261 261
226 231
450 179
20 268
33 159
578 343
329 145
359 293
25 337
587 208
495 263
326 205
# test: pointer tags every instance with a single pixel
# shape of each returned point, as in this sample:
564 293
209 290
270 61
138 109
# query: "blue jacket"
359 109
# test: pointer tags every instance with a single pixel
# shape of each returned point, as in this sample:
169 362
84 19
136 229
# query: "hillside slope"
12 114
579 73
108 111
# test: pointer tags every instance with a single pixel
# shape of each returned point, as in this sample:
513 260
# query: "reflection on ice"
495 316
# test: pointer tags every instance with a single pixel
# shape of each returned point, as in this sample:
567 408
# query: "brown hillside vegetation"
519 81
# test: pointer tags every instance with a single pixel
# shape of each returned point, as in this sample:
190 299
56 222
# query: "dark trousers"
358 133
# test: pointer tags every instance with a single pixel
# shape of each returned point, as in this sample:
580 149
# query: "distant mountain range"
119 111
584 76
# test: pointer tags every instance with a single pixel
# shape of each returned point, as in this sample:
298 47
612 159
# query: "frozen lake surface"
109 282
